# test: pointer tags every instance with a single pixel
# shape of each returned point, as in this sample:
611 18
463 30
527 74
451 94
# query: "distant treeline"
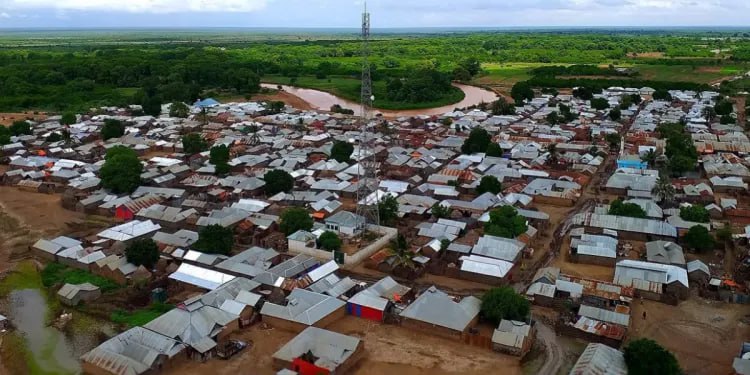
578 70
600 84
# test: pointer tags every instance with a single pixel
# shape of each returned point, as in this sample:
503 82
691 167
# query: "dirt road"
553 349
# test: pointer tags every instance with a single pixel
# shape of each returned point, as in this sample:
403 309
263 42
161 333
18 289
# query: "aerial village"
266 258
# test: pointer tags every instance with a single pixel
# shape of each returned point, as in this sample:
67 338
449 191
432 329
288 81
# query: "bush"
699 238
278 180
626 209
220 159
112 129
329 241
143 252
342 151
489 184
179 109
504 303
215 239
695 213
20 128
505 222
294 219
194 143
647 357
121 171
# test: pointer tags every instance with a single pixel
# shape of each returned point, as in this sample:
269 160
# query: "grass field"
140 317
688 73
56 273
349 88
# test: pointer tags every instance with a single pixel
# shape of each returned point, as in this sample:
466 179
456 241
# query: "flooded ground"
324 101
52 351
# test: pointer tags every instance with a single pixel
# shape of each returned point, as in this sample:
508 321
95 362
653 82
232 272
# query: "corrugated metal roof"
627 224
435 307
600 359
303 306
199 276
604 315
485 266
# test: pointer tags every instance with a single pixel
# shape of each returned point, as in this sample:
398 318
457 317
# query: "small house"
345 222
73 294
317 351
513 337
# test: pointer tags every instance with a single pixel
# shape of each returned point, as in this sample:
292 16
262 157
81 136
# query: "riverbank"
349 89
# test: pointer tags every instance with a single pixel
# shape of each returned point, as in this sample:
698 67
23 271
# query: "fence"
387 234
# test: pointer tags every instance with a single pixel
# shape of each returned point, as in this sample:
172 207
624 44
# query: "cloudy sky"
386 13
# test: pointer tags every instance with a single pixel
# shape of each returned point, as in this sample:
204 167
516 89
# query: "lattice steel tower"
368 168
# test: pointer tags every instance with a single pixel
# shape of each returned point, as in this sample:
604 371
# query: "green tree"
554 154
504 303
478 141
461 74
388 210
179 109
521 91
619 208
441 212
4 135
647 357
699 239
20 128
695 213
215 239
294 219
613 139
501 107
121 171
615 114
54 137
400 249
143 252
68 118
553 118
112 129
724 234
494 149
194 143
649 157
278 180
472 65
566 113
329 241
662 95
599 104
583 93
489 184
505 222
724 107
727 120
219 157
151 105
342 151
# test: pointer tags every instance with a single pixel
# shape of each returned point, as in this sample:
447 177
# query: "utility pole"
367 180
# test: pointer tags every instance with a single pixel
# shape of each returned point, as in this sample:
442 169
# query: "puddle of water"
51 349
324 101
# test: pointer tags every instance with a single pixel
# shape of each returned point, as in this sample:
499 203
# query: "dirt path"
552 348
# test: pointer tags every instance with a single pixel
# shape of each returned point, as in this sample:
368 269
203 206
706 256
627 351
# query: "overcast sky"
385 13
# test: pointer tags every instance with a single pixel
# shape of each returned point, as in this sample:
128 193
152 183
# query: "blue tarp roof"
208 102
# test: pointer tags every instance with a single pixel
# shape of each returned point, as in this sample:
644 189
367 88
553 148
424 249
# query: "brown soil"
709 69
704 335
26 216
389 350
590 271
7 118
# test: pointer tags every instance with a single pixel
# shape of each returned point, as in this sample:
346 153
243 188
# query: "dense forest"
410 69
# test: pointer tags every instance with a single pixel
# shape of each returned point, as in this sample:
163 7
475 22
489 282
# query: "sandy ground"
389 350
650 55
704 335
283 96
7 118
590 271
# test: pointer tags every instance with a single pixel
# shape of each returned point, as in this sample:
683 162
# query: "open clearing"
7 118
703 335
389 350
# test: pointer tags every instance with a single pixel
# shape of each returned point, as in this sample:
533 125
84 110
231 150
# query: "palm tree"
400 248
554 154
649 157
663 189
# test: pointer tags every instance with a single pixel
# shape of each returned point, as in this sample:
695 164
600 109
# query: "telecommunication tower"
368 168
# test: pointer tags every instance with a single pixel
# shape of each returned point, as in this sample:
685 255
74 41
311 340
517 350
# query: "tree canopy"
478 141
342 151
278 180
330 241
179 109
388 210
647 357
619 208
121 171
521 91
21 127
615 114
215 239
441 212
489 184
613 139
143 252
112 129
695 213
294 219
699 239
501 107
494 149
662 95
505 222
599 104
504 303
68 118
219 157
194 143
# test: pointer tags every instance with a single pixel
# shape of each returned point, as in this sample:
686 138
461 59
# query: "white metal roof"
199 276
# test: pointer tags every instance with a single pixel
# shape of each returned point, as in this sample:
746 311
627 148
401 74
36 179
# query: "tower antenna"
367 181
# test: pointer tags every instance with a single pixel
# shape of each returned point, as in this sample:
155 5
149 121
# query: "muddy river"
323 100
52 351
